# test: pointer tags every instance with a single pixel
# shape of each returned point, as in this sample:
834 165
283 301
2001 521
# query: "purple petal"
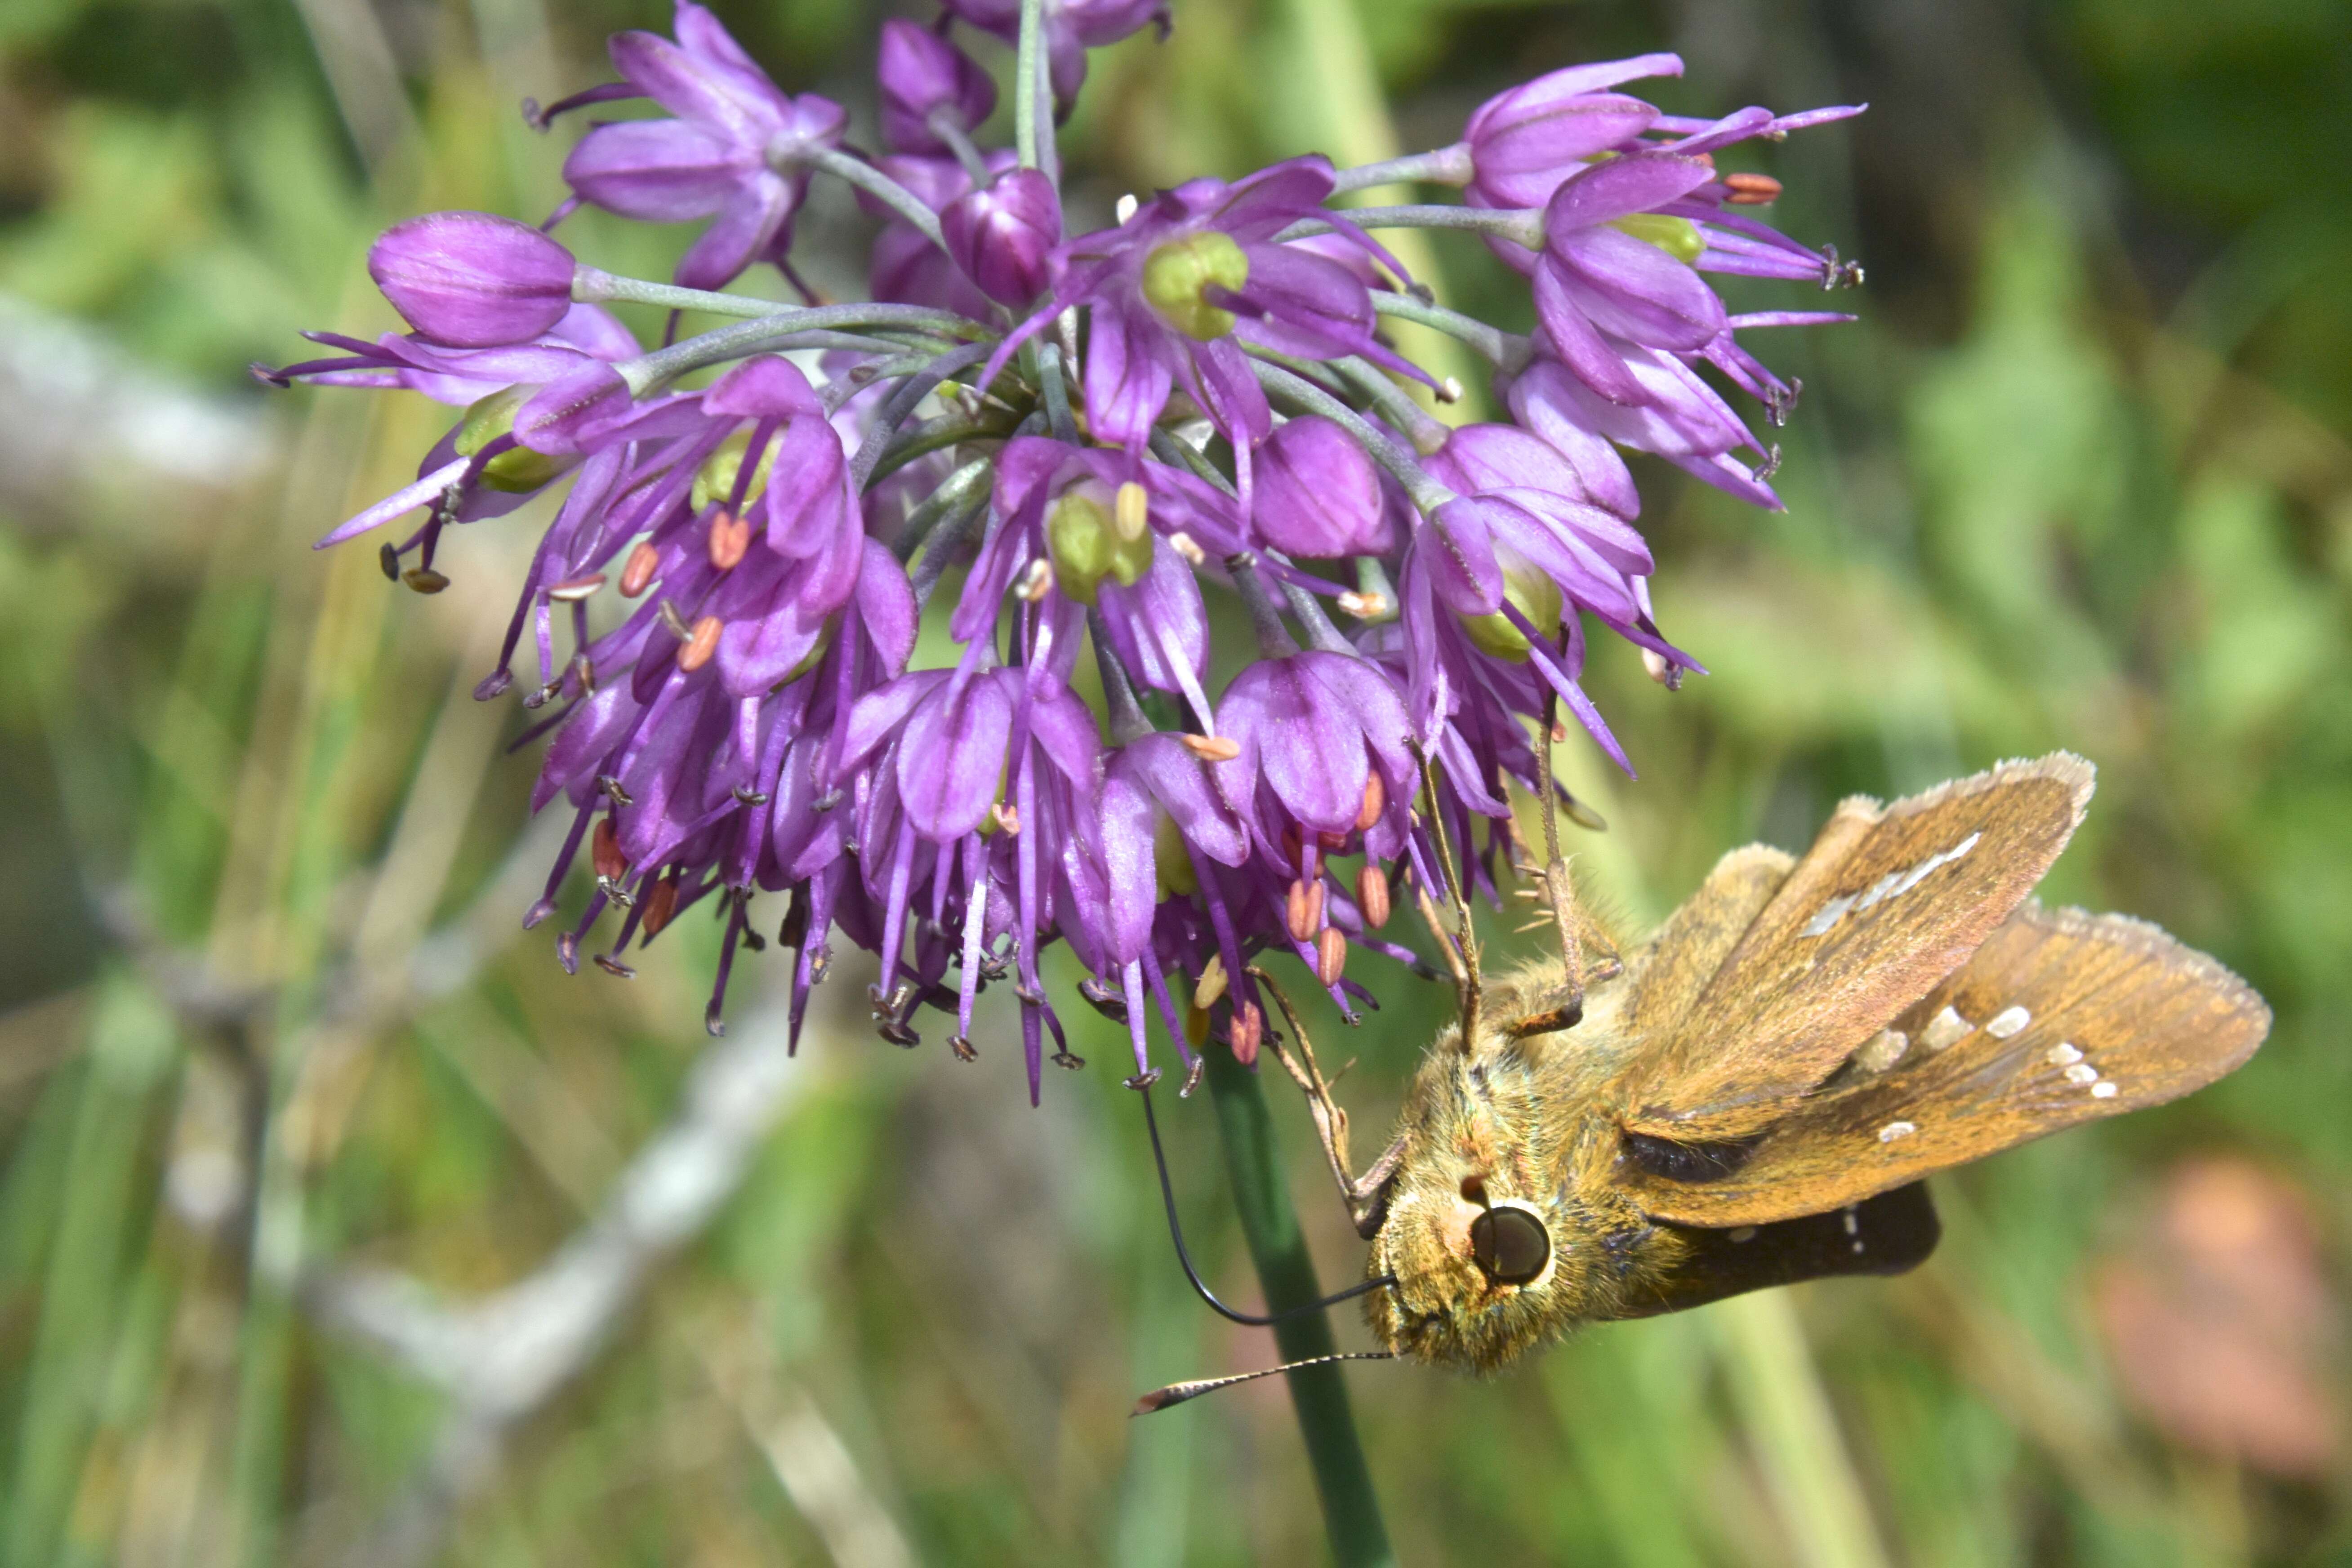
1633 289
1306 745
1620 188
1458 552
405 499
729 95
1569 82
768 387
1127 379
1163 606
1319 494
1179 781
952 757
658 171
1596 362
886 606
809 509
746 227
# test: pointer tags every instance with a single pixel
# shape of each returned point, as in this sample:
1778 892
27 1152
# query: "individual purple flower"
1000 235
1598 286
728 155
1174 293
473 280
927 81
1072 28
1523 142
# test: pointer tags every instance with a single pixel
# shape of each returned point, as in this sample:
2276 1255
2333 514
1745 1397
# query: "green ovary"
1534 595
1172 862
715 480
1177 275
1083 541
517 470
1677 237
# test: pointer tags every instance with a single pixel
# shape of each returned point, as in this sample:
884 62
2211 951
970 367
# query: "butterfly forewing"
2059 1017
1889 901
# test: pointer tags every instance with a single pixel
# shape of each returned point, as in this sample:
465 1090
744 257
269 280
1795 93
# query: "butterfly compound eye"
1510 1244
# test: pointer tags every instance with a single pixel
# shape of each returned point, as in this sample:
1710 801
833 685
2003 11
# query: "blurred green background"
301 1134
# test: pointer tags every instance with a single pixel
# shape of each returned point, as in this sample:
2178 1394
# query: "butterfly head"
1486 1269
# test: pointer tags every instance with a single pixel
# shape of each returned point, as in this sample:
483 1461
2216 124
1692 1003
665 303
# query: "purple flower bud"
473 279
1001 236
924 75
1319 494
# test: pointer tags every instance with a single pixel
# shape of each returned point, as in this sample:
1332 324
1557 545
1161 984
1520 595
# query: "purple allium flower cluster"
1054 447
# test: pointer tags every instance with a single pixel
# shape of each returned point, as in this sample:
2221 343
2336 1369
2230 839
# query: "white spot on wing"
1892 885
2082 1072
2064 1053
1744 1233
1882 1050
2104 1089
1879 889
2007 1022
1945 1030
1896 1130
1832 912
1853 1222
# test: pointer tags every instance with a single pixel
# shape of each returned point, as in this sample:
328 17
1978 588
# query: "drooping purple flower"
923 76
473 280
1001 234
728 155
1597 286
1072 28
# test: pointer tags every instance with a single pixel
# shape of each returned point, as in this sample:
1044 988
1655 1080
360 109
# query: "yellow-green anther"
1534 595
1177 275
1085 544
715 480
1130 513
517 470
1677 237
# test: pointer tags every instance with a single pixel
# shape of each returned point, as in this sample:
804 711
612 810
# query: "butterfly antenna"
1177 1393
1468 983
1176 1233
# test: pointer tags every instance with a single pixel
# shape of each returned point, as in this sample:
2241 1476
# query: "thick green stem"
1351 1512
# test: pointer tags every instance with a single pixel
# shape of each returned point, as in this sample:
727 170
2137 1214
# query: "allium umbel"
719 628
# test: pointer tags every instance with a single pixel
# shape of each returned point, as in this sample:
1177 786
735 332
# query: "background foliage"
2079 478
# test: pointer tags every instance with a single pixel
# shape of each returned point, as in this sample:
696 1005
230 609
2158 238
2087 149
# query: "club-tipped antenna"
1177 1393
1176 1233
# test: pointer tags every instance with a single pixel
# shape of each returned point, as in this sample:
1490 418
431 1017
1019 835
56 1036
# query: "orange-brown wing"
1889 901
1666 973
2060 1017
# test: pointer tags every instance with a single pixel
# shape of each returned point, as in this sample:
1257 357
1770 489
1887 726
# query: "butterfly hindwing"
2059 1017
1887 902
1886 1234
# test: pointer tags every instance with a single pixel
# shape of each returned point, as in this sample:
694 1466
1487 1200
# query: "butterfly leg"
1365 1196
1462 949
